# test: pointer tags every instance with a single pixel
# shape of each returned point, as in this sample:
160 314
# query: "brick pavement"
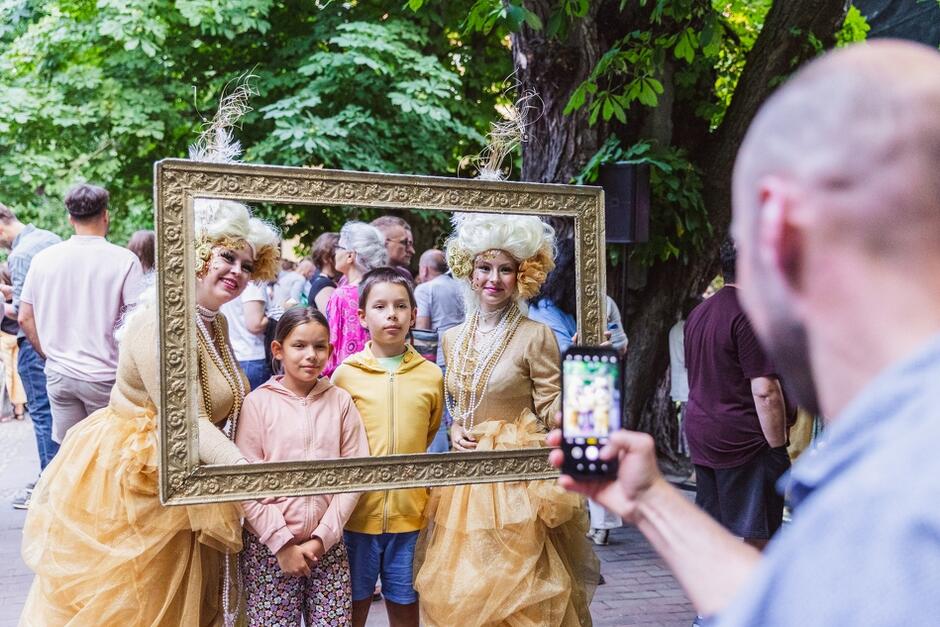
639 589
19 464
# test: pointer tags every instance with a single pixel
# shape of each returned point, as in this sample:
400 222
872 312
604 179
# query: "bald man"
836 199
439 297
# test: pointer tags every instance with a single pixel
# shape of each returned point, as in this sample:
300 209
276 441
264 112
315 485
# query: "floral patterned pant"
274 599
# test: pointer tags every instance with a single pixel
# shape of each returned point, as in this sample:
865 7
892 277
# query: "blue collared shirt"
563 325
864 545
24 247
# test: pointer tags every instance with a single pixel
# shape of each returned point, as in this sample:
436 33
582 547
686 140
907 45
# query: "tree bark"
561 145
557 145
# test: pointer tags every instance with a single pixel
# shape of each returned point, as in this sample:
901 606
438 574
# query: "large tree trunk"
560 146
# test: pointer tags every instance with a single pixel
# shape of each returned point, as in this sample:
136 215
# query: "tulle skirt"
105 551
511 554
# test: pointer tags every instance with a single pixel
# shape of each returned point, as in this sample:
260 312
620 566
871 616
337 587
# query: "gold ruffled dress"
104 550
515 553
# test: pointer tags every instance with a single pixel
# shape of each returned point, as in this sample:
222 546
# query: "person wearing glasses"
399 242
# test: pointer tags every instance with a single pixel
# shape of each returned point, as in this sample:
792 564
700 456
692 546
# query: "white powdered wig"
475 233
218 219
520 236
367 242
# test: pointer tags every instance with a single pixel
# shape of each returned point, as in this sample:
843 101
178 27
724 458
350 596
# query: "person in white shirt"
74 297
247 321
678 375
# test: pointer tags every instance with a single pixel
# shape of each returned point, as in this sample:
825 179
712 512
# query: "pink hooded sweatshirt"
276 425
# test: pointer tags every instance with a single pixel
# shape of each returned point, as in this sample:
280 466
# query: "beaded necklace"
220 354
471 372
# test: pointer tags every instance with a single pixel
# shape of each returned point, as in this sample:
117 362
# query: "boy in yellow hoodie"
400 396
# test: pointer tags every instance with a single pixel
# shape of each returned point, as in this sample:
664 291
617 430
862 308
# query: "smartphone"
590 401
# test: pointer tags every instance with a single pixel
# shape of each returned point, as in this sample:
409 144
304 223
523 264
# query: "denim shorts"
389 555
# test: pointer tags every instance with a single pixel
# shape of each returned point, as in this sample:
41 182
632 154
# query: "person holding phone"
503 553
836 218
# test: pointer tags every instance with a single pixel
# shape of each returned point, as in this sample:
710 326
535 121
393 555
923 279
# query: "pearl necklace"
207 314
468 380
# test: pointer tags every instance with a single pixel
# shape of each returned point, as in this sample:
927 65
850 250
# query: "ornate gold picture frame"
183 480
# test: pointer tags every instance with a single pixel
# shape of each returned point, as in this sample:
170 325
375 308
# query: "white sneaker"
600 537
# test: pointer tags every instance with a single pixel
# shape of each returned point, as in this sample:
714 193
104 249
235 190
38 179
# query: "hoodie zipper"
391 448
307 437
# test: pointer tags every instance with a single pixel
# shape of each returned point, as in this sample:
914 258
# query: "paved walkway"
639 589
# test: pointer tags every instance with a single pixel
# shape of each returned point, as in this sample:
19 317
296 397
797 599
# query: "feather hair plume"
506 135
217 143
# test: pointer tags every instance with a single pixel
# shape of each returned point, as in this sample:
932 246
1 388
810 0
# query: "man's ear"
780 234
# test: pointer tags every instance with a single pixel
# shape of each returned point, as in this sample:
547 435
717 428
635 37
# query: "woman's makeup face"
226 277
494 278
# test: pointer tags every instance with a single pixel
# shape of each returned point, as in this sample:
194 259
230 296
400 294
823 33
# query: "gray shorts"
72 400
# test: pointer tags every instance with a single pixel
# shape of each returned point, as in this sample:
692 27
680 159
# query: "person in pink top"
361 248
294 562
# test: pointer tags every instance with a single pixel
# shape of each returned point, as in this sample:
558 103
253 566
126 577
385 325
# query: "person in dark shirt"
735 420
323 283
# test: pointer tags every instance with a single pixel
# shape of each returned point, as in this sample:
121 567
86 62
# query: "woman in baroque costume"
504 553
104 550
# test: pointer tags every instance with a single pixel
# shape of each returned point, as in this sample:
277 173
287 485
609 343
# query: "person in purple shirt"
735 420
836 215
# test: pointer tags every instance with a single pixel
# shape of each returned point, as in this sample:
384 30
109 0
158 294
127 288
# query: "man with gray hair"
836 217
399 242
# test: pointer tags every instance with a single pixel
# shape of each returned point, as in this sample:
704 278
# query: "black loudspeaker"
627 202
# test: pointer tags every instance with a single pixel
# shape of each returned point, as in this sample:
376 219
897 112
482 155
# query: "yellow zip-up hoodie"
401 412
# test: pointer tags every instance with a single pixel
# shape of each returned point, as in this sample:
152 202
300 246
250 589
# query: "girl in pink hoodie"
294 561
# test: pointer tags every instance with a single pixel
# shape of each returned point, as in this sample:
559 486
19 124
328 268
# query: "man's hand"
710 563
461 438
605 344
6 290
293 561
638 473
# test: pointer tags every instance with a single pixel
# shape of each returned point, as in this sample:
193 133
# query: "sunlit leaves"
100 89
854 29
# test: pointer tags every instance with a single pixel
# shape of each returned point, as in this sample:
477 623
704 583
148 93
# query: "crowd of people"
345 354
349 354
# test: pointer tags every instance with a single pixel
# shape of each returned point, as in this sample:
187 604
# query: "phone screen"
591 397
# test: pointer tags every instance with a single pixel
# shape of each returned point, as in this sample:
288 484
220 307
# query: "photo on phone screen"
590 408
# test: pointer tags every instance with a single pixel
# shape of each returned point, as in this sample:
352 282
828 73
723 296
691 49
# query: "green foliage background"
99 90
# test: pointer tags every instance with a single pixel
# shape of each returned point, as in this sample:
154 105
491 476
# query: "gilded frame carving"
183 480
